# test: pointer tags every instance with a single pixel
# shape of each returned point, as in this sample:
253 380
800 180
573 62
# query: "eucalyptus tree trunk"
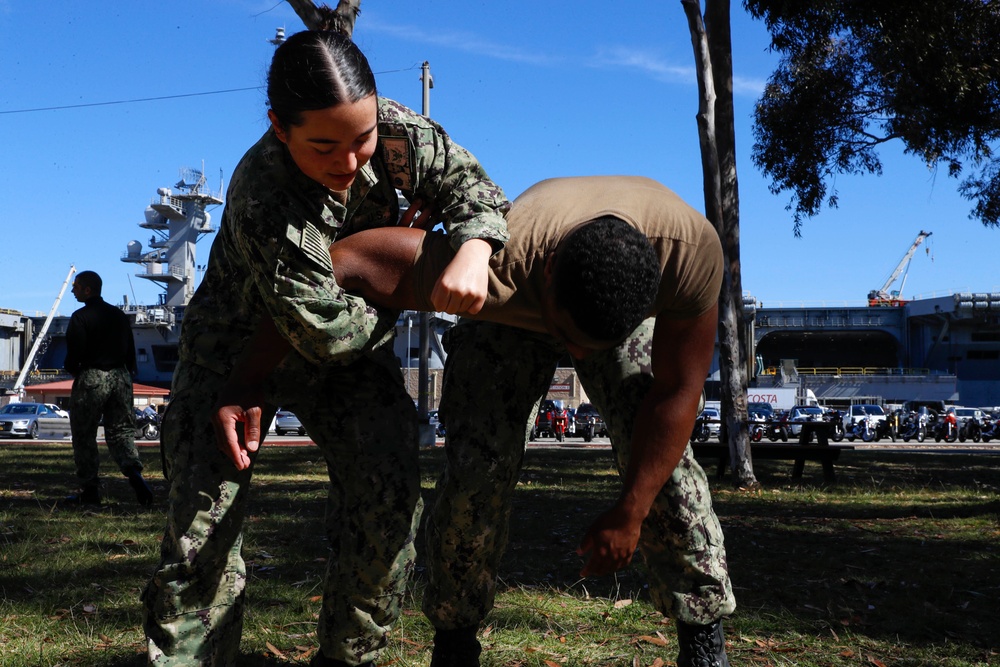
717 137
346 13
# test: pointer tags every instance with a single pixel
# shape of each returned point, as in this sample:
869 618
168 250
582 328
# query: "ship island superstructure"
178 218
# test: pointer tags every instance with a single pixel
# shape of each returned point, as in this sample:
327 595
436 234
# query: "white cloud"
661 70
464 42
644 62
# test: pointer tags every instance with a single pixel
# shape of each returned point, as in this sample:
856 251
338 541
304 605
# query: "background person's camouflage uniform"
100 354
510 370
343 382
96 392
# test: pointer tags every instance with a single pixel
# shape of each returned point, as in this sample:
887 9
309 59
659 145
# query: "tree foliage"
855 74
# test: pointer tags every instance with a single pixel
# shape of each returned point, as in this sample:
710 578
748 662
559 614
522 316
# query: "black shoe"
320 660
701 645
143 493
88 496
456 648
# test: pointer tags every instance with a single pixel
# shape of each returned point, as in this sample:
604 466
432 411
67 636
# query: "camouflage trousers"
109 393
365 425
495 377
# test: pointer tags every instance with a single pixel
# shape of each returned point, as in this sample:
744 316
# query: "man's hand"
230 409
611 541
463 285
418 215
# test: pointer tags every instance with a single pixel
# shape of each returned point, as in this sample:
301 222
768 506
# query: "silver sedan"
22 418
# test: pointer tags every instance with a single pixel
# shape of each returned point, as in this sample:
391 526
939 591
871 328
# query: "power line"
139 99
163 97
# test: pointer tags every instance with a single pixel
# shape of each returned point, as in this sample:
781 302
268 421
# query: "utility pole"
426 433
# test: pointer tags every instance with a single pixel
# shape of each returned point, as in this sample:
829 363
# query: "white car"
803 413
964 414
875 413
56 409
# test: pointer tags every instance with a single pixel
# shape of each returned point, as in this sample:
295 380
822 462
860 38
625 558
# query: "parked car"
285 421
589 422
803 413
875 413
22 418
56 409
965 414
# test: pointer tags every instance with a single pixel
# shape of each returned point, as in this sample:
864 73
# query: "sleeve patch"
312 244
399 161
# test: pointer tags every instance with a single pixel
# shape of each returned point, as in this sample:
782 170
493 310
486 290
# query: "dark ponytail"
316 70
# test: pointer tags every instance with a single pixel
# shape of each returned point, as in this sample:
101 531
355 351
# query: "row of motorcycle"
917 426
944 426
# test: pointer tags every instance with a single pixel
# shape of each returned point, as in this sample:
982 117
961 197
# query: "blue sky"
556 89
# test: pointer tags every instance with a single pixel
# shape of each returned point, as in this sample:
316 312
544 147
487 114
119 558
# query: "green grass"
897 565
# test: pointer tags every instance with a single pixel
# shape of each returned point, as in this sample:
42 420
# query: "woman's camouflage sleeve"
425 163
291 269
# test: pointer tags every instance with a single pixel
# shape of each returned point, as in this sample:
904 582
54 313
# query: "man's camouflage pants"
495 377
365 424
96 392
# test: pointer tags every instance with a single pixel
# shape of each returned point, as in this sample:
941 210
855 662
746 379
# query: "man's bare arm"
378 265
681 357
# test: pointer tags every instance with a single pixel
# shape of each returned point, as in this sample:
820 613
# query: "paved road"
927 447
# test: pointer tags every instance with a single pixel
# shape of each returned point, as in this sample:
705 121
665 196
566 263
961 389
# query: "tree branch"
323 18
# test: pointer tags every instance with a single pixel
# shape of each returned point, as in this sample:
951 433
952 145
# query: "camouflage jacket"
272 251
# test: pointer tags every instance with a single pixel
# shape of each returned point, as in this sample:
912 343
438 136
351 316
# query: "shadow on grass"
902 549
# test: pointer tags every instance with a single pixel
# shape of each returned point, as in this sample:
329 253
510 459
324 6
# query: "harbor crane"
886 297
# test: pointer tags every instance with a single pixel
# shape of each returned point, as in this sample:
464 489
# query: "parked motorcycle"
946 427
914 427
862 428
885 429
836 419
701 432
758 421
147 425
972 430
990 429
777 428
559 421
545 421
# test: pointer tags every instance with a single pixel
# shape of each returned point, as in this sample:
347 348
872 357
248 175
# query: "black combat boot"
456 648
89 495
701 645
143 493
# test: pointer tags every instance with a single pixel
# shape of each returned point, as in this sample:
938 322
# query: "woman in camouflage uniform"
330 166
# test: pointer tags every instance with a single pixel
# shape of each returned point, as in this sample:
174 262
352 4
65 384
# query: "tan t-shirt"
688 246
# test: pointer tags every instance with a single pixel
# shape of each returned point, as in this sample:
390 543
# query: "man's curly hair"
606 275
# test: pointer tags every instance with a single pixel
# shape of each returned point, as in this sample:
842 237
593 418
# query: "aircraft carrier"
887 349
